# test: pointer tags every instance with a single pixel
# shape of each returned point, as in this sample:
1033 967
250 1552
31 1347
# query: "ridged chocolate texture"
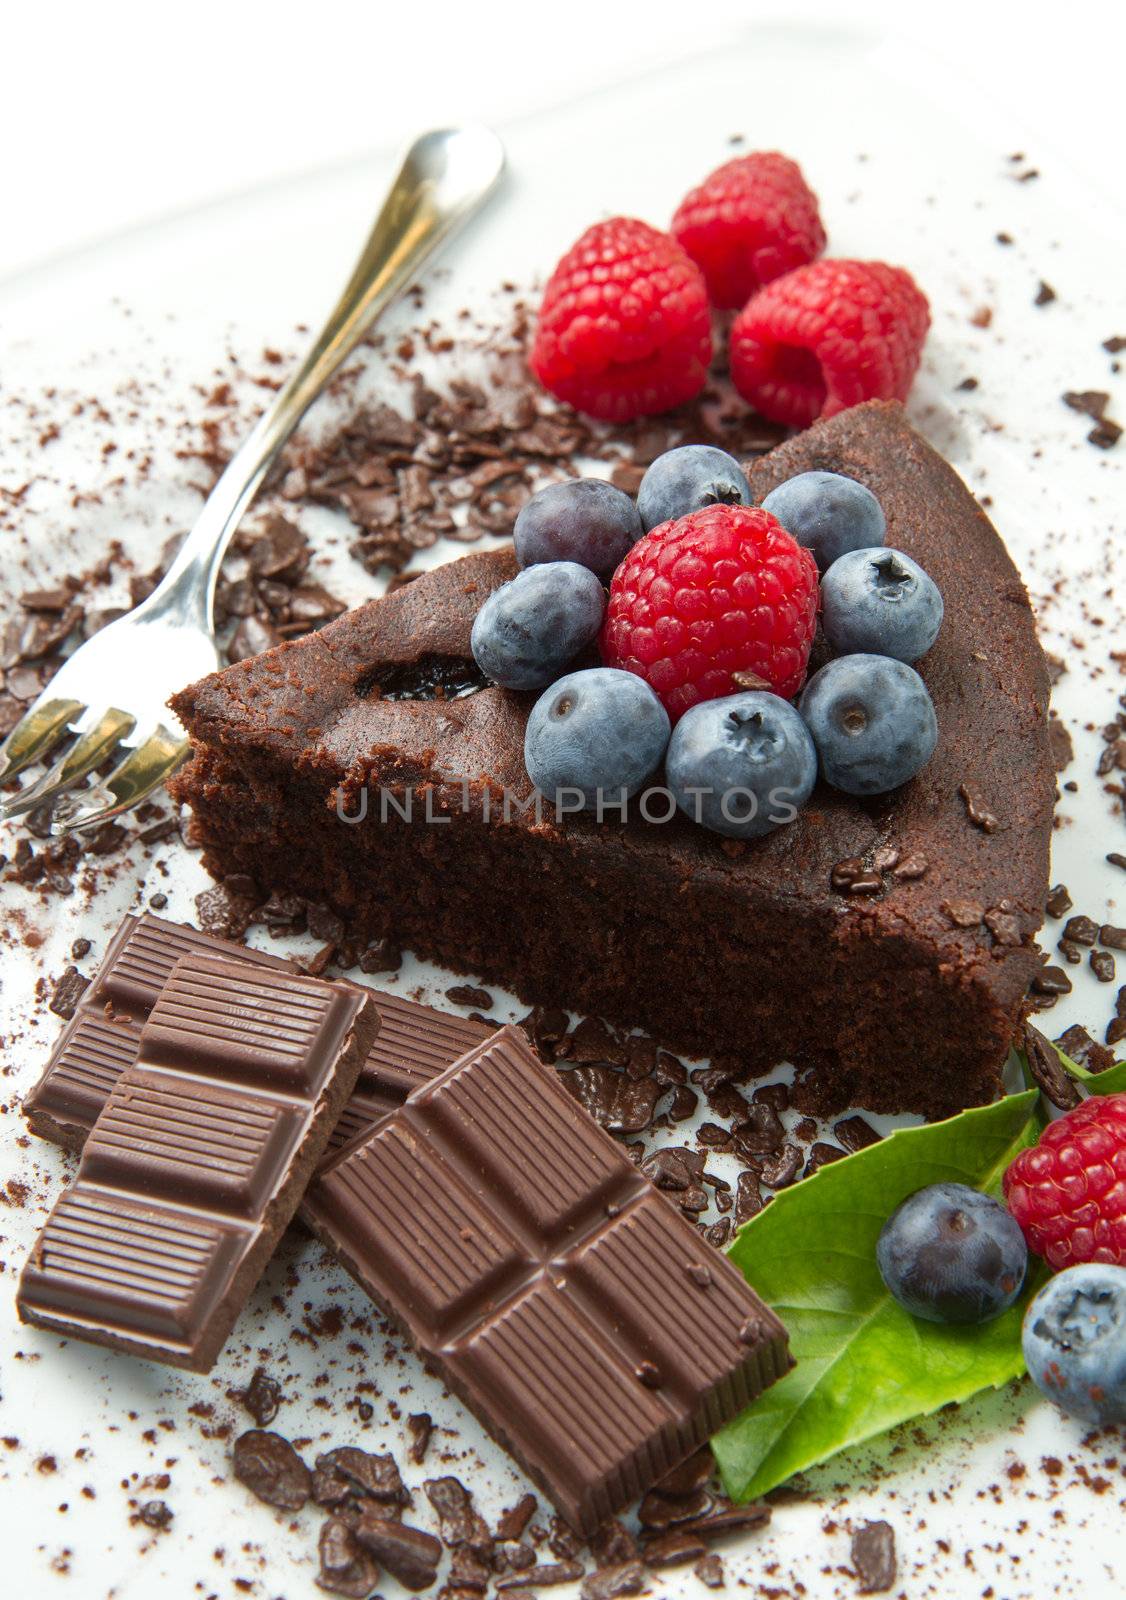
102 1039
574 1310
199 1156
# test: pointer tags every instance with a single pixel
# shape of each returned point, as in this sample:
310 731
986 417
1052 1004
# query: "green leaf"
1110 1081
864 1364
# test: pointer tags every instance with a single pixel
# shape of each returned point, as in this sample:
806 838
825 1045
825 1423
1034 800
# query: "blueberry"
1075 1342
828 513
688 479
872 721
595 733
528 630
880 601
583 520
741 765
952 1254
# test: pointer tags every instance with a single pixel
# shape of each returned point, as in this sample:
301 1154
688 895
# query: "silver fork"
112 693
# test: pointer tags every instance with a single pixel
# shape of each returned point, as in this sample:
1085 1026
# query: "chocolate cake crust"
884 946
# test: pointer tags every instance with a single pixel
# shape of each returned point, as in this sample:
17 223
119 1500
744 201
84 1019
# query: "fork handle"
444 178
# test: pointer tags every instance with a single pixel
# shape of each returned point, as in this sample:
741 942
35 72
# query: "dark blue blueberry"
529 630
688 479
1074 1342
583 520
872 721
882 602
595 733
741 765
828 513
952 1254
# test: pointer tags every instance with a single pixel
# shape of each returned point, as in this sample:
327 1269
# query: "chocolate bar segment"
198 1158
103 1037
591 1329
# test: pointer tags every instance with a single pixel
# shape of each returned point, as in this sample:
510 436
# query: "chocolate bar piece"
588 1326
102 1039
198 1159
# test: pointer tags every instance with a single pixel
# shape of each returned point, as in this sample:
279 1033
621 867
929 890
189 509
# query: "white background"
142 112
114 113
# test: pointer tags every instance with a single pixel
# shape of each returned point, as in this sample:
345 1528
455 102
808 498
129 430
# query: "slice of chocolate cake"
884 946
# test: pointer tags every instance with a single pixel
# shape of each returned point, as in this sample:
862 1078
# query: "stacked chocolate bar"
213 1090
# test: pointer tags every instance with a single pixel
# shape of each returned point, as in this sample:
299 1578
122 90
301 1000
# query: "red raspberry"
624 328
827 337
752 220
1069 1192
723 590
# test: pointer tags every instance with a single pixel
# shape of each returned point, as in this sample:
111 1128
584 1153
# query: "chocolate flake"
155 1514
420 1427
346 1567
855 1133
1077 1043
466 994
272 1470
458 1521
542 1577
1102 965
781 1170
67 993
709 1570
348 1472
1048 1072
261 1397
610 1583
873 1556
511 1523
1058 901
850 876
408 1553
964 913
977 810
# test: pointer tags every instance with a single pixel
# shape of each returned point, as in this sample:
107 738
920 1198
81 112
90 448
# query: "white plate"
908 167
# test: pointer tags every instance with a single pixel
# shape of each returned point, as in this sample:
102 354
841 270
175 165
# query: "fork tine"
34 734
87 752
143 770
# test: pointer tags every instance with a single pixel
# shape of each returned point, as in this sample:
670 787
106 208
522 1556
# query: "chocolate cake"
884 946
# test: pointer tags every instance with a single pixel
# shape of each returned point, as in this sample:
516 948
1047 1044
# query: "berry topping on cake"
826 337
624 328
952 1254
1069 1192
1074 1341
594 738
529 630
872 721
752 220
697 601
584 520
880 602
828 513
742 765
688 479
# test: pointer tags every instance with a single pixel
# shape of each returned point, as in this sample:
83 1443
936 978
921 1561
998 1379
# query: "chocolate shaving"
272 1470
873 1556
1048 1072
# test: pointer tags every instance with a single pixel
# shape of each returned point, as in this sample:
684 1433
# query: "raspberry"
752 220
827 337
1069 1192
724 590
624 329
